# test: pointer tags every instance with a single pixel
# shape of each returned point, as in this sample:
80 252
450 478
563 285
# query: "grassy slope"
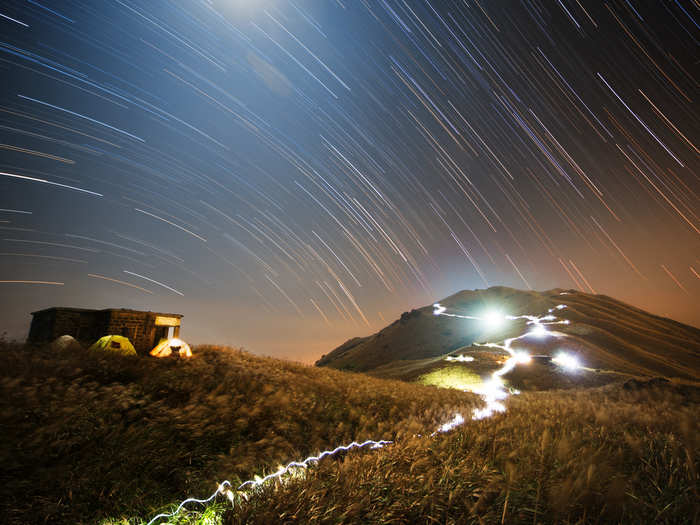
606 333
86 437
616 454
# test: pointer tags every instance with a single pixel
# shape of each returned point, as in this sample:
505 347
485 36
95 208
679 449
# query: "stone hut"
144 329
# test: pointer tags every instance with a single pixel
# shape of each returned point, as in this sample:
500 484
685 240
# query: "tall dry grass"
88 436
617 454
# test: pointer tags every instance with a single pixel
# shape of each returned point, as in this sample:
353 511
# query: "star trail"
320 167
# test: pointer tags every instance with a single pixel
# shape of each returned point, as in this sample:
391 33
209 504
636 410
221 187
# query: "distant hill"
606 333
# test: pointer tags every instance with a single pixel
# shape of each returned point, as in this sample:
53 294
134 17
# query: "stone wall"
139 327
41 328
85 326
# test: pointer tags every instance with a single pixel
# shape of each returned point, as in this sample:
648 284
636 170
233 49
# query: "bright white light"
538 331
494 319
483 413
567 361
508 365
522 358
460 358
491 390
224 487
438 309
561 306
456 421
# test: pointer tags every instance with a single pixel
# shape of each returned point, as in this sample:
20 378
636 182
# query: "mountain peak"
606 332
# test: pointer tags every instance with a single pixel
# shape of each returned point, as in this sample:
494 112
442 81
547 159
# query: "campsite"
341 262
155 334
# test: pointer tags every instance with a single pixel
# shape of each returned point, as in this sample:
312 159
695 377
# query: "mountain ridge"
606 332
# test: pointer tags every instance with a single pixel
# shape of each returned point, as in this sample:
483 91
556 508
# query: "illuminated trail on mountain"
492 392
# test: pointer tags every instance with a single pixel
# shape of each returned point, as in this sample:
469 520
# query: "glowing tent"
65 342
174 347
114 343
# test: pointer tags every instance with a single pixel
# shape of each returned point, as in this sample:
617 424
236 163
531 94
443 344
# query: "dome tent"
65 342
176 347
114 343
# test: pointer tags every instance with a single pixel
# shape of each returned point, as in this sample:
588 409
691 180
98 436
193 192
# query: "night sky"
291 174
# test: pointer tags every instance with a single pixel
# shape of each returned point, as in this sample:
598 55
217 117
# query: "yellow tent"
168 347
114 343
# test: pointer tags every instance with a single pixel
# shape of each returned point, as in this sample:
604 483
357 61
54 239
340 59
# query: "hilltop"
607 334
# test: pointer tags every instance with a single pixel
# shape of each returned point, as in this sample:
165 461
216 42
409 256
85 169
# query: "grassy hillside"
111 439
625 453
87 437
606 333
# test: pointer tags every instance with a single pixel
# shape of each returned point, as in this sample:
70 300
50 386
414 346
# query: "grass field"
87 437
610 455
110 439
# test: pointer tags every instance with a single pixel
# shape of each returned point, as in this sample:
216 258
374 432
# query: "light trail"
36 153
57 244
171 224
493 391
460 358
33 282
15 211
83 117
641 122
154 282
44 181
454 422
14 20
243 490
52 257
96 276
225 487
675 280
567 361
465 107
